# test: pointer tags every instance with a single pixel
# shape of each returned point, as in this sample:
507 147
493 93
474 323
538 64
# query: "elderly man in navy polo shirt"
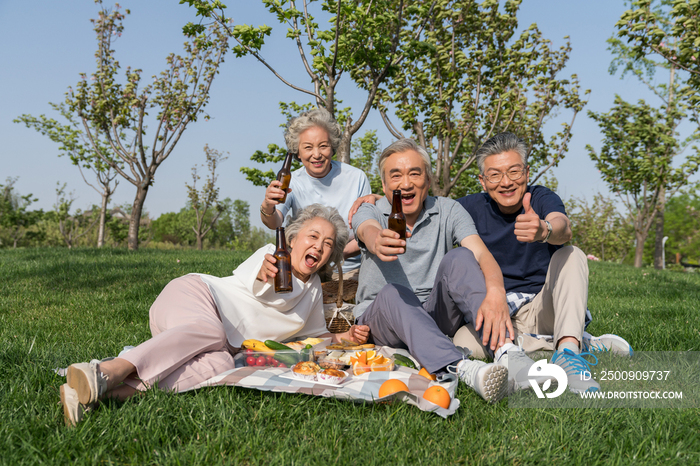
416 293
546 283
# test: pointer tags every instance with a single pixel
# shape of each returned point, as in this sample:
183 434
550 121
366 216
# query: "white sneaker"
607 342
489 380
87 380
578 370
518 364
72 409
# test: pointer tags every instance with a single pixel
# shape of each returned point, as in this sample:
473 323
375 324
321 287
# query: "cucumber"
290 358
286 358
273 345
402 360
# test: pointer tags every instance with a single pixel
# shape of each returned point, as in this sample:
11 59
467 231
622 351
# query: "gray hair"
500 143
318 117
404 145
329 214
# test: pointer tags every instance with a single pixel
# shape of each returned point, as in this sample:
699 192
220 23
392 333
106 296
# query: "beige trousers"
189 344
559 309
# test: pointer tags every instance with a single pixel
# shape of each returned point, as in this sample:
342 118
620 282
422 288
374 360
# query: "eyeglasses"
514 174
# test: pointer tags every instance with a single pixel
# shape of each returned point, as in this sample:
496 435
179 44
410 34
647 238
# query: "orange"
372 355
438 395
382 364
359 368
392 386
426 374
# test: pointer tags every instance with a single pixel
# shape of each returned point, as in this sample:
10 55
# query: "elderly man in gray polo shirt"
415 293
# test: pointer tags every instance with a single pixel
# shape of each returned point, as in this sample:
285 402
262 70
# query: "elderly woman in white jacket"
198 322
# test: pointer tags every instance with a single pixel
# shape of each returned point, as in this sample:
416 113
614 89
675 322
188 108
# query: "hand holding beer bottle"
397 220
284 176
283 278
276 192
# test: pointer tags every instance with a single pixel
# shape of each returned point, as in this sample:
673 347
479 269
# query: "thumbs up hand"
528 225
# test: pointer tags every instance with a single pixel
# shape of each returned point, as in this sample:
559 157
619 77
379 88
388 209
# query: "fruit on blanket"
366 361
256 345
427 374
392 386
438 395
381 363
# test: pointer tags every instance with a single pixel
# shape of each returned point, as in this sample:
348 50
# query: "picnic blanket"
363 388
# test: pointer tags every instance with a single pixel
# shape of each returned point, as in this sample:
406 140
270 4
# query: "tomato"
248 352
250 360
261 361
282 365
270 361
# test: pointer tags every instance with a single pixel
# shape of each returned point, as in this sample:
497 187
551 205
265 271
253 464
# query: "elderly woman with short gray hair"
199 322
314 137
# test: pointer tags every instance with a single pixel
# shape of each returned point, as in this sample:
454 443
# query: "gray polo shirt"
442 224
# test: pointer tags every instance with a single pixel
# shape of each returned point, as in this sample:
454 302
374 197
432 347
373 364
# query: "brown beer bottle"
285 175
283 279
397 220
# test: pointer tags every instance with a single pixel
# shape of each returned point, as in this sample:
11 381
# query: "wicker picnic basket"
338 312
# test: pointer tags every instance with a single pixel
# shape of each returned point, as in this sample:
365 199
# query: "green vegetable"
289 359
273 345
402 360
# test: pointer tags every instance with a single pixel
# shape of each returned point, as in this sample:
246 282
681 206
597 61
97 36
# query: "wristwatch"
549 231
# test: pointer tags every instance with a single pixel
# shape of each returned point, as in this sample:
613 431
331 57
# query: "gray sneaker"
607 342
518 364
578 370
489 380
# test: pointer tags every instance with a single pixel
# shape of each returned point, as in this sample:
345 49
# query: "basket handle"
339 301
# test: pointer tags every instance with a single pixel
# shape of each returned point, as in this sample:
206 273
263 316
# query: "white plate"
290 375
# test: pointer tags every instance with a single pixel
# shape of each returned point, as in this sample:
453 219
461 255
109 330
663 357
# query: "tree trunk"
200 242
135 220
639 248
659 240
343 152
103 219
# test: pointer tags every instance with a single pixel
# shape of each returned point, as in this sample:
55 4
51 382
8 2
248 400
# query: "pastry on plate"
305 370
331 376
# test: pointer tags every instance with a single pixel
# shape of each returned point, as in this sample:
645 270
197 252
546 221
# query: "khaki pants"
559 309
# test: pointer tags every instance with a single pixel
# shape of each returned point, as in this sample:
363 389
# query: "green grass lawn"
61 306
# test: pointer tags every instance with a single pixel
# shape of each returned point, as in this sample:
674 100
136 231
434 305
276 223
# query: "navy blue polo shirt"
524 265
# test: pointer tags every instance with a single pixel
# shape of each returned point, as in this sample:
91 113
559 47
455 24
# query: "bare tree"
207 198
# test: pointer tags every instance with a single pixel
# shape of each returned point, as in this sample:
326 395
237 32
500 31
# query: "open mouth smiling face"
312 247
406 171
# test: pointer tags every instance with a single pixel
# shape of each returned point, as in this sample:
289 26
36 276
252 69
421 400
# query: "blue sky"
46 47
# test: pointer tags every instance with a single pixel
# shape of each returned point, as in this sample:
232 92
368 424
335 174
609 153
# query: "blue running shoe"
578 370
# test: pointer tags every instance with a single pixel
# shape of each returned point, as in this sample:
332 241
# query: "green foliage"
119 112
635 161
74 143
16 220
275 153
669 29
362 39
682 226
599 229
469 77
72 226
365 153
